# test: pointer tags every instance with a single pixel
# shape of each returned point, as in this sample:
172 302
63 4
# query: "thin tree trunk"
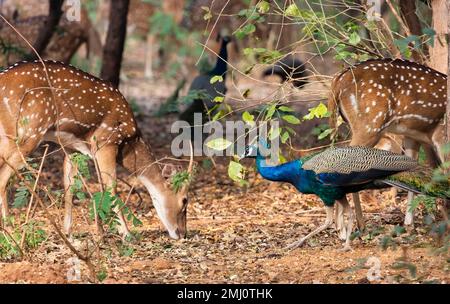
439 52
408 11
115 41
54 15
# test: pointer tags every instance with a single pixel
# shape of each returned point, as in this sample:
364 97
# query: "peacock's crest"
346 160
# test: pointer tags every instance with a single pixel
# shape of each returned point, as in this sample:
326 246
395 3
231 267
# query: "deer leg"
350 220
106 160
411 150
339 220
70 171
328 222
5 174
361 140
14 161
360 222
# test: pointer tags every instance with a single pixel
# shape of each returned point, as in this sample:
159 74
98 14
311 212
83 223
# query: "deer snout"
181 222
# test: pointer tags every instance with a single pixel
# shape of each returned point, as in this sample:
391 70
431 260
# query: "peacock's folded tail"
347 160
420 180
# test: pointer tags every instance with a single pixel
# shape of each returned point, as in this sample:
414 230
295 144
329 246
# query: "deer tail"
333 104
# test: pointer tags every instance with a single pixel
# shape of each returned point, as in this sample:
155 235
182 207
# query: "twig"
9 236
22 240
54 224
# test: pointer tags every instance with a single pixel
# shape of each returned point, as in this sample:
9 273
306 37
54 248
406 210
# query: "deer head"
170 205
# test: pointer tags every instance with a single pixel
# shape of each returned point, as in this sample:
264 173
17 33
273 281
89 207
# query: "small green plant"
9 242
102 275
7 49
22 195
80 162
180 179
105 203
125 250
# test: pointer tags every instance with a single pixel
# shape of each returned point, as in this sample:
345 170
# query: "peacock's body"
333 173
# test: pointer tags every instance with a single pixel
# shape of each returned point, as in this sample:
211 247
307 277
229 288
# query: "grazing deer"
396 96
83 113
65 42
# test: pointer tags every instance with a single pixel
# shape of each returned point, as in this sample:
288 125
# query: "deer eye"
185 201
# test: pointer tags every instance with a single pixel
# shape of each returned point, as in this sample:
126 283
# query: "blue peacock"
337 171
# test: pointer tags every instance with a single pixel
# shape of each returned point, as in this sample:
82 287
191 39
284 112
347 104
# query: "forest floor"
235 235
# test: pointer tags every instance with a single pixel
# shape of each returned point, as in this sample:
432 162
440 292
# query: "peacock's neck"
288 172
221 64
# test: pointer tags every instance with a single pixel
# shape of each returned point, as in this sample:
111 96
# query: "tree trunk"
408 11
115 41
45 35
439 53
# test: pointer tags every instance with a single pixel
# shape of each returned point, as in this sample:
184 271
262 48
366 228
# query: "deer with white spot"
392 96
82 113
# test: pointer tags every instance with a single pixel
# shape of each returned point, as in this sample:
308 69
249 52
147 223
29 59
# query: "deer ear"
168 171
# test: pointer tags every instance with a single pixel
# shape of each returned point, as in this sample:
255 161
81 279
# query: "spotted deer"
69 36
83 113
383 96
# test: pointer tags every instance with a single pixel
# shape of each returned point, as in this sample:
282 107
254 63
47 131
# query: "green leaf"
270 111
430 32
284 137
207 14
218 99
291 119
274 132
292 10
354 38
325 133
290 130
248 118
80 195
319 111
245 31
219 144
263 7
285 109
237 172
216 78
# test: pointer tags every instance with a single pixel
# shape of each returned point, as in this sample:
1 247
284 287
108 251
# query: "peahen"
333 173
289 68
207 91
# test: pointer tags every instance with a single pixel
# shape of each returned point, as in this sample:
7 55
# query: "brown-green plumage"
420 180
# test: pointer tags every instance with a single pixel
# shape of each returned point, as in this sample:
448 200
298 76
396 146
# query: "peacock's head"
254 150
251 151
224 35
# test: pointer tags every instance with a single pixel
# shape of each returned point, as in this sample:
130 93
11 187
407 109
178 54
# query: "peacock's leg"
350 221
411 150
328 222
339 220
